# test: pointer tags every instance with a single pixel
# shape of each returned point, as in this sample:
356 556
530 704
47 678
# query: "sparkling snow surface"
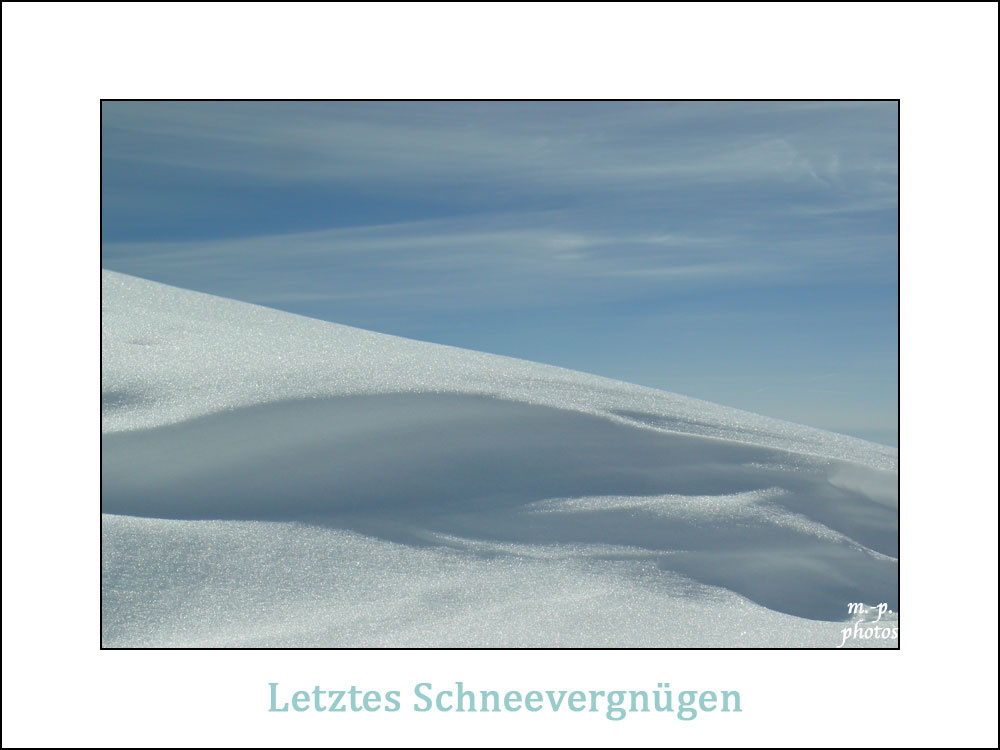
273 480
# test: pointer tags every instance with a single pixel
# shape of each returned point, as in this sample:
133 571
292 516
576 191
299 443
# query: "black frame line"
531 648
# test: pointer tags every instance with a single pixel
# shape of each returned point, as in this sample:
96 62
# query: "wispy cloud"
515 259
552 145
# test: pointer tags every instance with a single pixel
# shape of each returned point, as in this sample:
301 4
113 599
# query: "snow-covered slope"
273 480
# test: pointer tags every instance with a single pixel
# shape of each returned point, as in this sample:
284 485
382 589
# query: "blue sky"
740 252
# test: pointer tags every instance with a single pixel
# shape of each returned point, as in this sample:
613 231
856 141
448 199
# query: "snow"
273 480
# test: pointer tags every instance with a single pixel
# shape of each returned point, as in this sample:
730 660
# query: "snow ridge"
269 479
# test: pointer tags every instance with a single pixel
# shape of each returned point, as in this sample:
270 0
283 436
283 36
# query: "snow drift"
272 480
